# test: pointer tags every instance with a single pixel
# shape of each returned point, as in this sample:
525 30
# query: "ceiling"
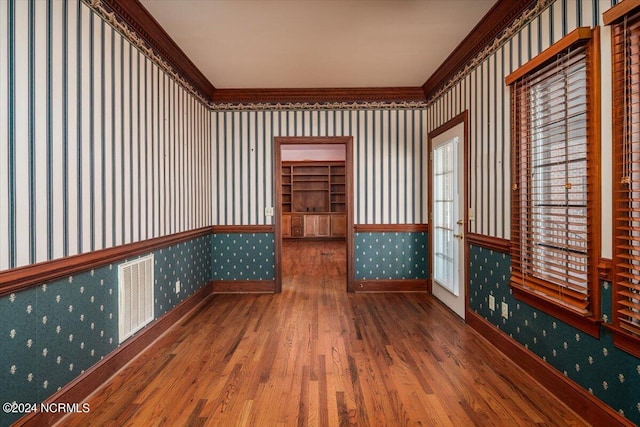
250 44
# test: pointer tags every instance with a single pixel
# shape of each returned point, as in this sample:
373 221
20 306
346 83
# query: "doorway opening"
448 216
313 195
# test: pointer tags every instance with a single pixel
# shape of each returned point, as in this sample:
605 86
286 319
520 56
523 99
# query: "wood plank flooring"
317 356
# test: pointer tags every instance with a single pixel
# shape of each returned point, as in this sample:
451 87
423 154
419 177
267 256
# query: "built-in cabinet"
313 199
313 225
316 226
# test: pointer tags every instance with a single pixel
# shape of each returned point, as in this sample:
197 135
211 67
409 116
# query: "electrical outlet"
492 302
505 310
177 286
268 211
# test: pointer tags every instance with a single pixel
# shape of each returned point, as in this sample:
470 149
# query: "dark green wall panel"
52 333
390 255
595 364
243 256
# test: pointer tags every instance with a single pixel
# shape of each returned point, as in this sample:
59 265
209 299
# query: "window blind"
552 192
626 101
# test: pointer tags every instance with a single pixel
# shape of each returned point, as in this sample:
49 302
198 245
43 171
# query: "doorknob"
460 222
459 236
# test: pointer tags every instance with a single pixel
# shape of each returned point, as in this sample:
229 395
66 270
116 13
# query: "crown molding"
139 26
318 95
317 106
499 17
136 17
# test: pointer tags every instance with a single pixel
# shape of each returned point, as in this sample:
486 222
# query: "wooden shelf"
313 186
315 190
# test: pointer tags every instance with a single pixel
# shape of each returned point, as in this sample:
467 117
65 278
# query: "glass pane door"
445 195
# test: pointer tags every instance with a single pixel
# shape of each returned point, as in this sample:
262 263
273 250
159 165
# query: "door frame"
279 141
464 271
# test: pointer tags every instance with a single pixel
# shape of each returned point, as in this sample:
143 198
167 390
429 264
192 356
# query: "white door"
447 216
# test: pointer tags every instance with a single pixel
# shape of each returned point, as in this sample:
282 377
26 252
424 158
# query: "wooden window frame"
623 339
587 320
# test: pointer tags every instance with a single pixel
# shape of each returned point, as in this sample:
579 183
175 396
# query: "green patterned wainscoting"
610 374
189 262
390 255
242 256
54 332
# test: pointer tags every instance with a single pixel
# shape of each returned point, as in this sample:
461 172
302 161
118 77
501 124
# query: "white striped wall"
389 167
482 91
99 146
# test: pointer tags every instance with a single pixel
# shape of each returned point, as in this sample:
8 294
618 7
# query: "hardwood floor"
315 355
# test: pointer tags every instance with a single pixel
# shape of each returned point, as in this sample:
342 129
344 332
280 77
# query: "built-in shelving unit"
337 193
313 199
310 188
286 188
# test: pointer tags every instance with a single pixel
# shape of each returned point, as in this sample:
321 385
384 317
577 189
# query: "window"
555 232
626 179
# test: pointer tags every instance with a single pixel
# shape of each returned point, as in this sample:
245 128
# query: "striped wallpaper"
99 146
483 92
389 167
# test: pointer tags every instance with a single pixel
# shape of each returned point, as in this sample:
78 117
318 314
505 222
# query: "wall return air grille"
135 296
